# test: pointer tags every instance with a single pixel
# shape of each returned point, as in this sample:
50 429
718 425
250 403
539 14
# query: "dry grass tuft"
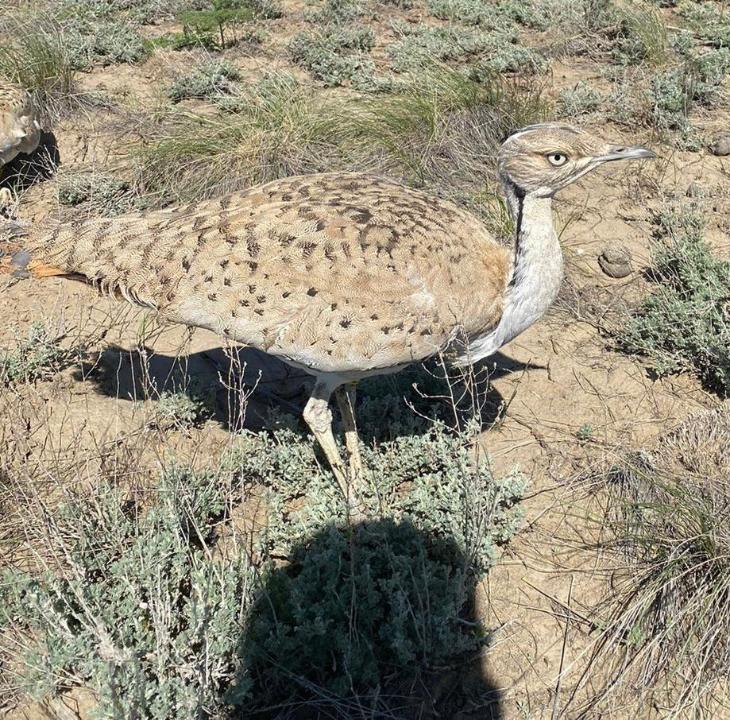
668 519
34 55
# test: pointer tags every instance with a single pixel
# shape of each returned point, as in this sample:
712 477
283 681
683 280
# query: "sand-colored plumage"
342 274
333 272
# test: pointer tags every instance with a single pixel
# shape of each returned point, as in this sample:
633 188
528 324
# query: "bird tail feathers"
17 258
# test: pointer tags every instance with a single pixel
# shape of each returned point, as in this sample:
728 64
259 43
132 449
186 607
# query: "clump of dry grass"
33 54
275 128
439 130
668 519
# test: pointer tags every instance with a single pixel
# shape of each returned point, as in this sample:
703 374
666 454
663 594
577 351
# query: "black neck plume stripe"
518 211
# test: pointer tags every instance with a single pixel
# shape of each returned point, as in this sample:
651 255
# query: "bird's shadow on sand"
374 620
246 388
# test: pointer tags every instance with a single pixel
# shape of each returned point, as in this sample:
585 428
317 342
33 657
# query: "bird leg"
6 198
345 395
318 416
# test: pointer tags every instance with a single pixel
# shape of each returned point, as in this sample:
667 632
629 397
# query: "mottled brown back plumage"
344 275
337 272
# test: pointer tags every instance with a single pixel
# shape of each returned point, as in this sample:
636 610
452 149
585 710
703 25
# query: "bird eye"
557 159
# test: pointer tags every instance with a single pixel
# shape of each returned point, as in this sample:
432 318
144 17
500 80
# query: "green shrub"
471 12
359 616
674 93
336 12
497 16
182 410
186 40
142 613
103 42
107 194
209 80
579 100
420 45
709 22
684 324
37 356
334 55
145 12
219 22
349 611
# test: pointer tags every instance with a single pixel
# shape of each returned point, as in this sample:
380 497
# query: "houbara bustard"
19 129
344 275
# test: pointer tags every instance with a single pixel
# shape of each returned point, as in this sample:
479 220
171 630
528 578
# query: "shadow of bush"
374 620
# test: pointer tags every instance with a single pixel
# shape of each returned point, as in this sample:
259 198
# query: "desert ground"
547 534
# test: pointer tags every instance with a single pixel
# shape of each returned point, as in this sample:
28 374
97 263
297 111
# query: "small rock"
615 262
721 144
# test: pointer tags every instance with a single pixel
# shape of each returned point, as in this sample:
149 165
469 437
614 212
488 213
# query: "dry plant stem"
346 401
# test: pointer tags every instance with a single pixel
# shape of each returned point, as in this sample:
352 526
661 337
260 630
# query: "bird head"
541 159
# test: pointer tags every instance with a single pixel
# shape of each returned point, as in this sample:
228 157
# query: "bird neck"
537 271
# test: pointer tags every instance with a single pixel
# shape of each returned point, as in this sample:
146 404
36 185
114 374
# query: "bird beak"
620 152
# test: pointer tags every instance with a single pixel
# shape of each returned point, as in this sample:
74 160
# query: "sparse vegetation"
335 55
39 355
208 81
579 100
161 600
667 621
102 42
419 46
183 409
102 193
675 92
684 324
708 21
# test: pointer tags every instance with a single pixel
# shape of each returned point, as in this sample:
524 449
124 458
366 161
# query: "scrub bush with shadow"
165 604
361 622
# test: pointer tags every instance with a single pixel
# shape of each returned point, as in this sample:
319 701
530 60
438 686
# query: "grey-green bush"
103 42
579 100
335 55
420 45
208 81
107 194
142 614
37 356
684 324
157 608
